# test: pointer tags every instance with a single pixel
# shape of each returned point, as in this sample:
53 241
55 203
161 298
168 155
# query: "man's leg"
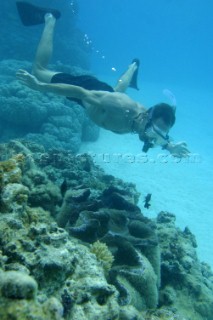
44 51
126 79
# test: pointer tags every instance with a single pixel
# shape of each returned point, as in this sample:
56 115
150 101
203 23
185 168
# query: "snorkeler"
110 108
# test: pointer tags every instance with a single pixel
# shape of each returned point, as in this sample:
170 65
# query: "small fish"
147 199
64 187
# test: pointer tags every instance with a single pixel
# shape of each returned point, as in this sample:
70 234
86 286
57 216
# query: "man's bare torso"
113 111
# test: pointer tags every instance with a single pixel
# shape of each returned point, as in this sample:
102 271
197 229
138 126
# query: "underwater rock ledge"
75 245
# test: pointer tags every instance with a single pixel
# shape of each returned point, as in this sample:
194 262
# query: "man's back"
113 111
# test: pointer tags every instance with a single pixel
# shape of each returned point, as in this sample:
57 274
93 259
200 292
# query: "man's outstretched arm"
58 88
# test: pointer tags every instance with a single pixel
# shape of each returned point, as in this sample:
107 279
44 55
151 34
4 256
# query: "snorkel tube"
147 145
171 97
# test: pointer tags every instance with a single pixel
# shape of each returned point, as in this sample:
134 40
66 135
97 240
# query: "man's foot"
136 61
49 17
135 66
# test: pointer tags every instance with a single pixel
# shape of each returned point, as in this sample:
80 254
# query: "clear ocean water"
174 41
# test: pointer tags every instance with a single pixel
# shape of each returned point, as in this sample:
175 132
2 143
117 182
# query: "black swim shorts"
85 81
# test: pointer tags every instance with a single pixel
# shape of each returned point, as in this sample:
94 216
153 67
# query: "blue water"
174 41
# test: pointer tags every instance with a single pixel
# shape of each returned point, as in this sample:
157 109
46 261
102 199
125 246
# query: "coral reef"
186 283
51 121
17 285
86 251
14 194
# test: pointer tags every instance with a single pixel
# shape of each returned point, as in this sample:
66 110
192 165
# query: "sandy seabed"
181 187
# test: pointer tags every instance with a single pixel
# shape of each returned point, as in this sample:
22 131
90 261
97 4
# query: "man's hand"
178 150
28 79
